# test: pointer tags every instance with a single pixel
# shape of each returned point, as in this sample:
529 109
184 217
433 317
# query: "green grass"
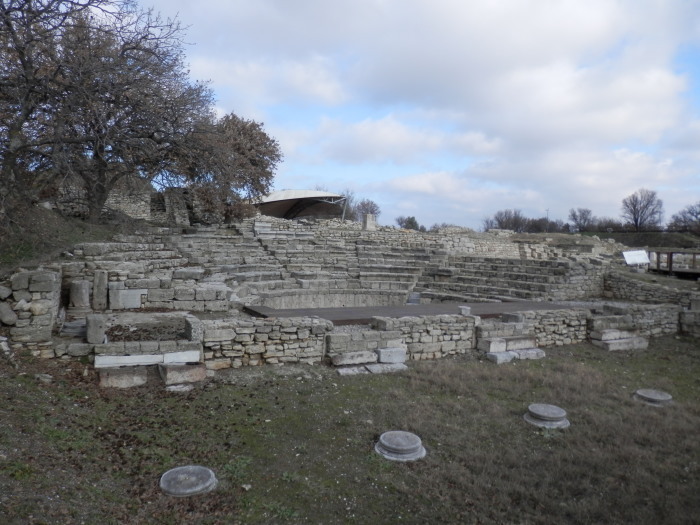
298 448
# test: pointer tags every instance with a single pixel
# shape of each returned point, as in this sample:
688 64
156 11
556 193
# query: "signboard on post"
636 257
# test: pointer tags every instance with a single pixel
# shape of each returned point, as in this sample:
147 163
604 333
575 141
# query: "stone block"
123 377
20 281
530 353
80 294
354 358
611 334
492 344
160 294
352 370
116 348
631 343
40 307
382 368
79 349
513 318
95 325
189 273
218 364
125 299
519 342
501 357
190 356
177 374
99 290
112 361
7 314
5 292
391 355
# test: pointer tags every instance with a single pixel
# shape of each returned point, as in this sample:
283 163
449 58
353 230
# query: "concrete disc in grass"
653 397
546 416
398 445
188 481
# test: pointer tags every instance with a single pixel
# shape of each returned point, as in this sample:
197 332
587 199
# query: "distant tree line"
640 211
97 91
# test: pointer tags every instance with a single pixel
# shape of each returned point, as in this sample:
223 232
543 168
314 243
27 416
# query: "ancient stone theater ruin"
271 291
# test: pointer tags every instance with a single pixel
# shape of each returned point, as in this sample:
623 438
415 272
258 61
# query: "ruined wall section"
232 343
619 286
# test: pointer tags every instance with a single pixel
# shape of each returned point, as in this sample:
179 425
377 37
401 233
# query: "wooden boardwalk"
364 314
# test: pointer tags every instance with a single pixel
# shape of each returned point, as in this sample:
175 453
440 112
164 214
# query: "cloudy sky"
450 110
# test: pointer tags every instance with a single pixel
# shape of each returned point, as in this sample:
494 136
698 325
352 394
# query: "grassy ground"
295 444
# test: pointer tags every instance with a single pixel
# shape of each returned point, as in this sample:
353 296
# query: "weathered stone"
191 356
123 377
40 307
354 358
382 368
630 343
653 397
5 292
176 374
79 349
113 361
125 299
501 357
352 370
391 355
492 345
546 416
80 294
7 314
95 328
99 290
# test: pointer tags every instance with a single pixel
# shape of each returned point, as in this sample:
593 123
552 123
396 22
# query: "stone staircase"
482 279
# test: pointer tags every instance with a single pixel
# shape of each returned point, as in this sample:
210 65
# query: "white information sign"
636 257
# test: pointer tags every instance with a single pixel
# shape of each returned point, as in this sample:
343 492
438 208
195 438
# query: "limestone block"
123 377
80 294
190 356
184 346
5 292
184 294
530 353
520 342
178 374
79 349
189 273
20 281
125 299
111 361
165 347
391 355
160 294
96 325
354 358
218 363
116 348
99 290
22 295
352 370
381 368
501 357
7 315
631 343
492 344
611 334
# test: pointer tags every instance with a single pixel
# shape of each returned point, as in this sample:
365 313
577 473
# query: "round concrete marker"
546 416
398 445
653 397
188 481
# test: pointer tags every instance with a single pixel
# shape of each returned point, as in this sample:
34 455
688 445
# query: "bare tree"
582 219
507 220
688 219
643 210
367 206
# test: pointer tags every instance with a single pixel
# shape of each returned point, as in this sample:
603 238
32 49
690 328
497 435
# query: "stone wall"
690 320
647 320
30 308
619 286
235 343
558 327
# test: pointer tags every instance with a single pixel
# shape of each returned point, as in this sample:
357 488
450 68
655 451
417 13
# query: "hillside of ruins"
194 299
